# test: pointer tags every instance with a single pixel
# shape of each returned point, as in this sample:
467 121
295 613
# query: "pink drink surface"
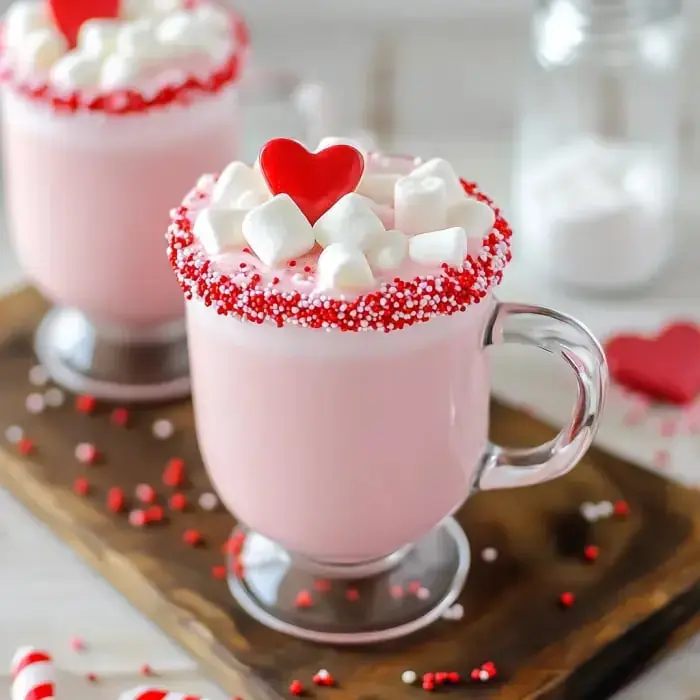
89 197
342 447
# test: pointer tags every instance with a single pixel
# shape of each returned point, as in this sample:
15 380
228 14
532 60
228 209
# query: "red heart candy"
315 181
69 15
665 368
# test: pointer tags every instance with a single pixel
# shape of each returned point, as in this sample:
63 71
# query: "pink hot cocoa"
89 194
341 447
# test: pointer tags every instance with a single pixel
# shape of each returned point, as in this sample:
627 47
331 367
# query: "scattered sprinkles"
34 403
208 501
38 376
25 446
163 429
138 518
395 305
81 486
119 417
567 599
323 678
193 538
591 552
621 509
177 502
86 453
85 404
296 688
174 473
409 677
145 493
303 599
489 554
54 397
116 499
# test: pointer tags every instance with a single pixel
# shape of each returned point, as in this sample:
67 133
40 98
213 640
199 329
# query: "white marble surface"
47 595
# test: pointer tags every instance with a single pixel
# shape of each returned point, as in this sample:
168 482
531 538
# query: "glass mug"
346 454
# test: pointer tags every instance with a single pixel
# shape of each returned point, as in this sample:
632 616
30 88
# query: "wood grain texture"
629 604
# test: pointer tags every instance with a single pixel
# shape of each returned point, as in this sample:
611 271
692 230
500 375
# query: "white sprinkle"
484 675
456 612
85 452
489 554
54 397
589 511
34 403
38 376
409 677
605 509
14 434
163 429
422 594
209 501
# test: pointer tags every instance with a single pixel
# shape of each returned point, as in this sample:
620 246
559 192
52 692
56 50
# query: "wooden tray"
631 604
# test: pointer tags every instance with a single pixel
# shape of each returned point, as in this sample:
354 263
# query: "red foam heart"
665 368
69 15
315 181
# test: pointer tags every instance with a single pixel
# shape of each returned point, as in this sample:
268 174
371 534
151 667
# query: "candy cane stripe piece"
146 693
33 675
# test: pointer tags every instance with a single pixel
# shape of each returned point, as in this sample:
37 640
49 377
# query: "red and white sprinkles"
33 675
394 306
130 101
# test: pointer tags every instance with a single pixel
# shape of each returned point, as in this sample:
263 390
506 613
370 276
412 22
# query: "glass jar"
596 171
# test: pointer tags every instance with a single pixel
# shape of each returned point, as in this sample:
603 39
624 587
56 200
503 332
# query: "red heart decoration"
315 181
665 368
69 15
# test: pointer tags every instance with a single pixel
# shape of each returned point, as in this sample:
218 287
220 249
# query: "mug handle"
562 335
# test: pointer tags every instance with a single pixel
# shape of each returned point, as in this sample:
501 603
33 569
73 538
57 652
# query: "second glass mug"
344 456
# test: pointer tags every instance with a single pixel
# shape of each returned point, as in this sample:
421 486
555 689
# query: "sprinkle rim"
395 305
131 101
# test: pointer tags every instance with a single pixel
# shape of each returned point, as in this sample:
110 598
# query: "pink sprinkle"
137 518
662 459
86 453
352 594
163 429
34 403
669 427
396 592
77 644
414 586
635 415
208 501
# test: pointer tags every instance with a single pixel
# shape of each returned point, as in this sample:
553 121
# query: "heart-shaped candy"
315 181
69 15
664 368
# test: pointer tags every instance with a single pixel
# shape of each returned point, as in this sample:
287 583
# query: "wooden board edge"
16 475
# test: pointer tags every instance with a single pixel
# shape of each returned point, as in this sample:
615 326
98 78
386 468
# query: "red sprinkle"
192 538
454 677
145 493
119 417
154 514
324 678
427 685
77 644
81 486
178 501
567 599
25 446
396 592
428 678
91 677
322 585
475 674
237 568
234 546
296 688
219 572
303 599
490 668
414 586
174 473
441 677
621 509
115 499
352 594
85 403
591 552
146 670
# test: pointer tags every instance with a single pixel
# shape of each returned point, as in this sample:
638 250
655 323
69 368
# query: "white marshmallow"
76 71
252 199
219 230
329 141
138 39
388 250
213 16
205 183
378 187
420 205
40 50
278 231
343 266
475 217
350 220
437 167
120 71
437 247
138 9
22 18
98 37
236 180
181 33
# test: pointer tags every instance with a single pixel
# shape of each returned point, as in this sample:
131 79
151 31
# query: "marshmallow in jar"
108 113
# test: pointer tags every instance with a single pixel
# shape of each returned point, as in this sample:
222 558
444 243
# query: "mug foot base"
112 364
356 604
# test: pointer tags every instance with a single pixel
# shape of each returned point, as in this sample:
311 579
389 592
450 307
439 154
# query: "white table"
47 595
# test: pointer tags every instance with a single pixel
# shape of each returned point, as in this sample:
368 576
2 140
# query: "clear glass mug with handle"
344 455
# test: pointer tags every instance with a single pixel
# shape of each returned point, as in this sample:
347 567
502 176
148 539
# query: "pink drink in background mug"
341 382
99 138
